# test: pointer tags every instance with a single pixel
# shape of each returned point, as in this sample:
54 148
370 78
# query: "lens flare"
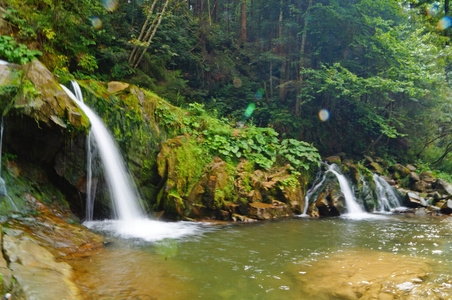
110 5
249 110
96 22
444 23
324 115
258 95
237 82
432 11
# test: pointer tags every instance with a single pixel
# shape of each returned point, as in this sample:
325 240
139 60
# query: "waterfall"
3 190
318 182
387 196
353 207
125 199
91 181
131 222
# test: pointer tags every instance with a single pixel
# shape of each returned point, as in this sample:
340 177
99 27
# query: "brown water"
392 257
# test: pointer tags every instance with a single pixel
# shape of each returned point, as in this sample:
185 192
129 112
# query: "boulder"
443 187
45 101
446 207
414 177
421 186
427 177
333 159
399 171
415 200
38 275
411 168
264 211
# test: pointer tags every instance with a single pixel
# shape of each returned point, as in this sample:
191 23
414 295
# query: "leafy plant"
299 154
13 52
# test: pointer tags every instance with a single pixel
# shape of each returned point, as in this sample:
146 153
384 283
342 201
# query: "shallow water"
392 256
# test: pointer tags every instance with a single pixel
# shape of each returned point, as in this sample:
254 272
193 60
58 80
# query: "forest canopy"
355 76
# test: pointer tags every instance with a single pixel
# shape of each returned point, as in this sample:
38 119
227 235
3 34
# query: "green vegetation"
379 70
13 52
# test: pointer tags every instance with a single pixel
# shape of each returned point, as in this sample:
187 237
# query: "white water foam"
2 62
148 230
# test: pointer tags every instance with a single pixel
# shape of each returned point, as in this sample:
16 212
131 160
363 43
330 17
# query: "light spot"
110 5
249 110
324 115
237 83
444 23
96 22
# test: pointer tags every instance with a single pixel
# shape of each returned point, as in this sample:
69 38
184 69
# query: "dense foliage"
355 76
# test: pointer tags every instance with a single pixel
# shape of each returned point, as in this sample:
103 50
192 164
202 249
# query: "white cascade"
354 210
131 222
353 207
387 196
125 200
318 182
3 189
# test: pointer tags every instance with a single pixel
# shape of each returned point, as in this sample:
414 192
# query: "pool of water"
388 257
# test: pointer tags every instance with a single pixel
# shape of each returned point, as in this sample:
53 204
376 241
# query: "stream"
386 256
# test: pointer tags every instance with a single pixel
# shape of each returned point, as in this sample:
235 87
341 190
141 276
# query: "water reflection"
294 259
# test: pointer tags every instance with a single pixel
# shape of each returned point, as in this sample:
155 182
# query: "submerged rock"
361 275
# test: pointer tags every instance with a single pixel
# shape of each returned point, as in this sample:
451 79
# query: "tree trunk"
303 44
281 51
243 22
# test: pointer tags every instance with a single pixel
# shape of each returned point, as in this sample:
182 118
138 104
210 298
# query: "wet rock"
264 211
443 187
375 168
36 271
49 103
414 177
421 186
446 208
56 230
13 168
333 160
415 200
411 168
391 181
399 171
427 177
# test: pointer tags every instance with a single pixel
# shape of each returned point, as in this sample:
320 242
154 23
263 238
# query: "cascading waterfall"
353 207
91 180
126 203
3 190
387 196
318 182
131 222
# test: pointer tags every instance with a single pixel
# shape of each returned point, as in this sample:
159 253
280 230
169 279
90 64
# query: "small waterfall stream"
3 190
387 196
